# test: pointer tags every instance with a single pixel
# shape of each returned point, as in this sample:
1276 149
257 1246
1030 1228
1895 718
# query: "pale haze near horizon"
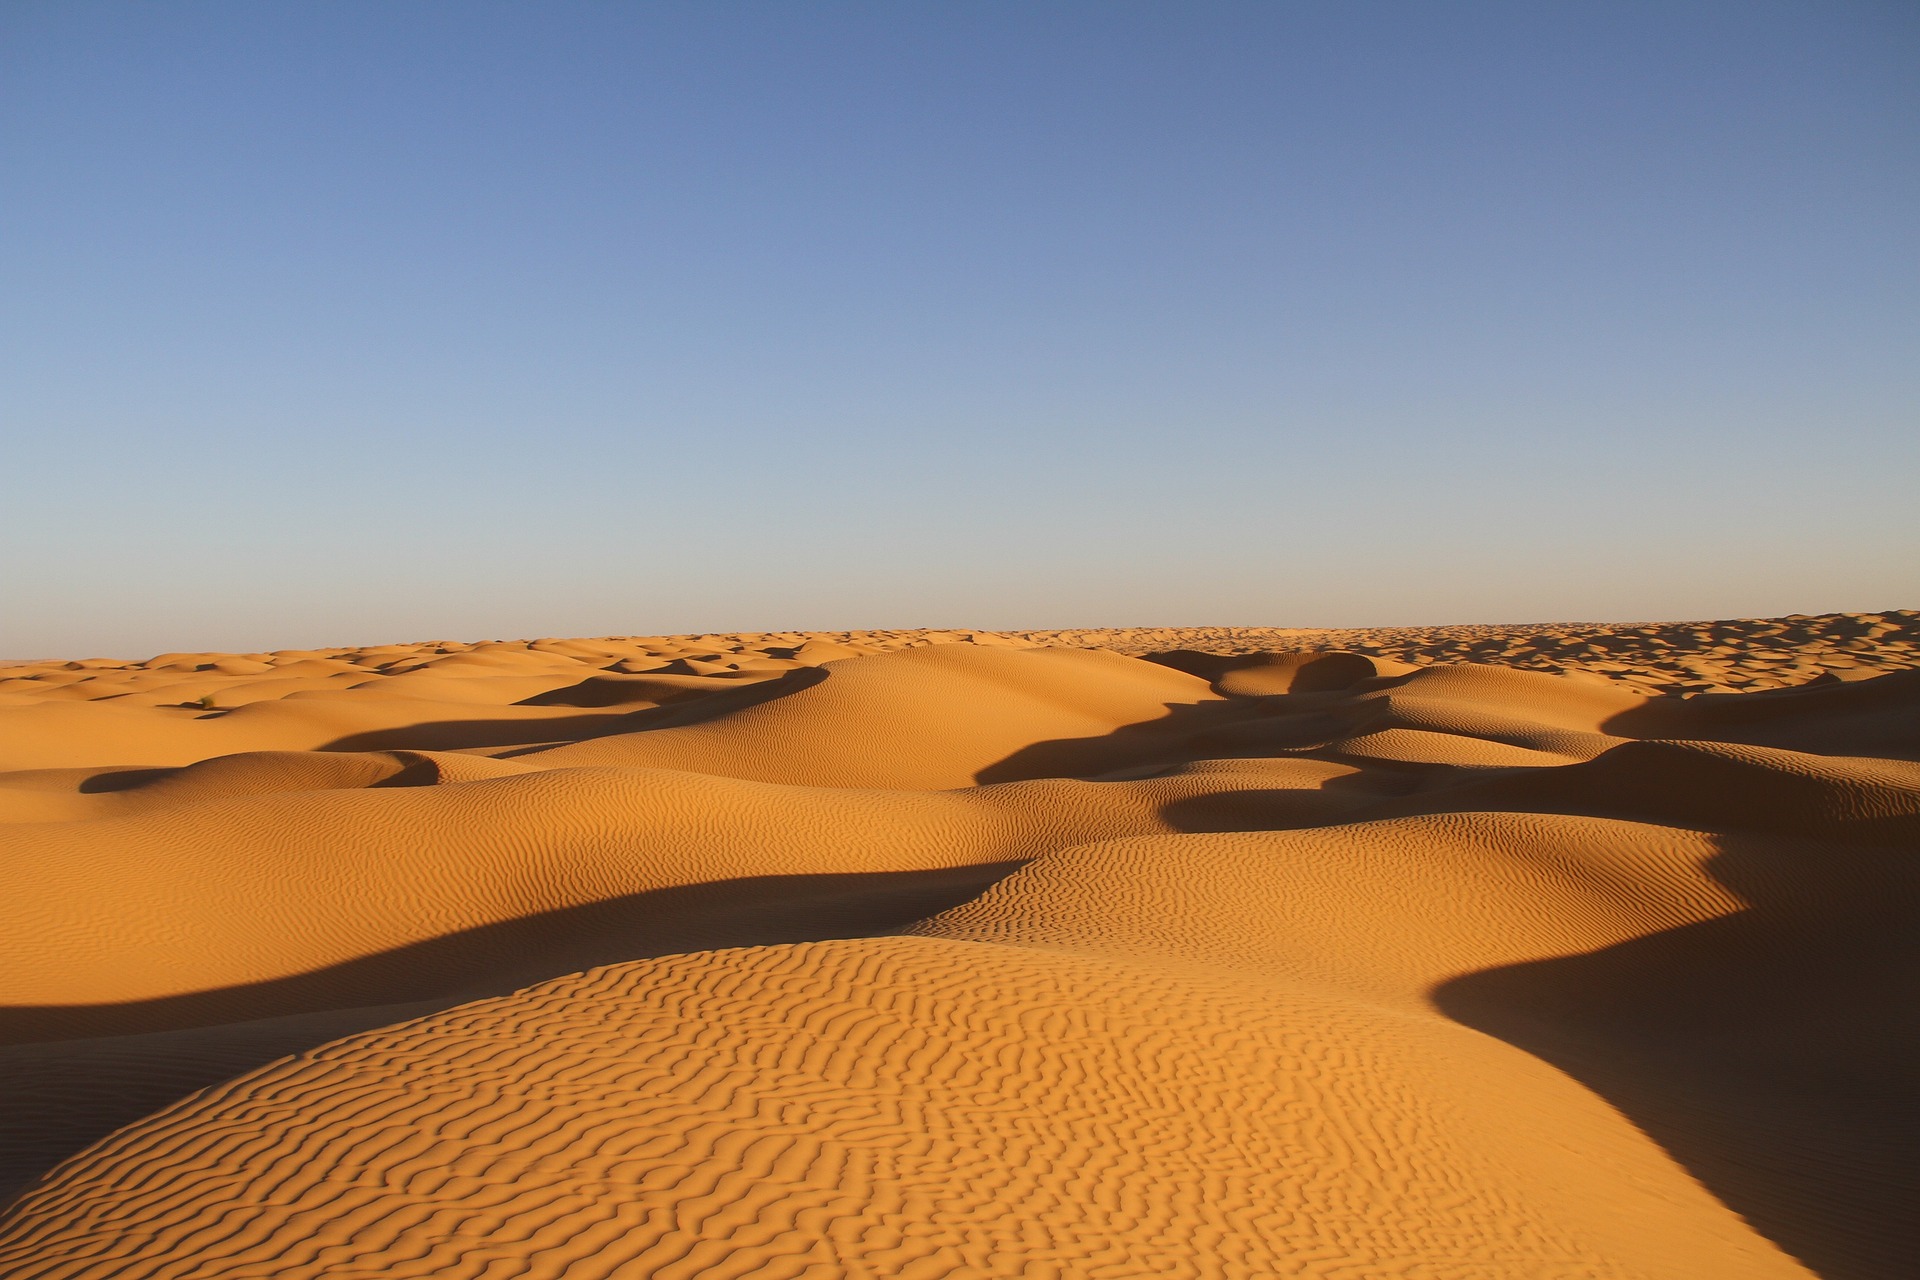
356 323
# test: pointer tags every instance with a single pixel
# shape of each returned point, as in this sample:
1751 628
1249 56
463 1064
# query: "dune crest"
1503 952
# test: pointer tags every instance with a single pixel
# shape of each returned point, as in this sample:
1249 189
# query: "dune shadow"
716 694
1872 717
122 780
1296 671
1300 701
692 706
505 955
1162 742
1771 1052
480 732
76 1073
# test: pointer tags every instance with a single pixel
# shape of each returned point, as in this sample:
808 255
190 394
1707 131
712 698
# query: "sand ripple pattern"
958 955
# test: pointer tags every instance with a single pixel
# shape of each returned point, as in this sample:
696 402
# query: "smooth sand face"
1467 951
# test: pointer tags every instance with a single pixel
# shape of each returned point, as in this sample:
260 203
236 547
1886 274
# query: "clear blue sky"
352 322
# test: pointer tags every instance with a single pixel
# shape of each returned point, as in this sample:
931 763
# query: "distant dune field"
1451 953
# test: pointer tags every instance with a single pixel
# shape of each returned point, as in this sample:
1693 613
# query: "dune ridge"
1534 951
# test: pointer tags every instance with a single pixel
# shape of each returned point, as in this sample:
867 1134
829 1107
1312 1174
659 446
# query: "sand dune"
1470 951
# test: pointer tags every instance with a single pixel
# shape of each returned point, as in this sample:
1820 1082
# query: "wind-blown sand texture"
1442 952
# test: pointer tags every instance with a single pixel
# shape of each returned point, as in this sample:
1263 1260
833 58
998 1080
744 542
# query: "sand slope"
949 954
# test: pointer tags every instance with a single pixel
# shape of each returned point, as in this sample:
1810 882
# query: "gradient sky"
354 322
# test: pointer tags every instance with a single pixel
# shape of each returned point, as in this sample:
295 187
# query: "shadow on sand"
76 1073
1771 1052
503 956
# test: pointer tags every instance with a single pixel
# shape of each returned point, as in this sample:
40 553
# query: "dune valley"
1543 951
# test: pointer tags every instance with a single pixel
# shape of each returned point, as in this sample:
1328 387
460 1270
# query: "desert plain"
1451 952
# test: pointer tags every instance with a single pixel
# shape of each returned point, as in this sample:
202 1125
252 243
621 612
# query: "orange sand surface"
1451 952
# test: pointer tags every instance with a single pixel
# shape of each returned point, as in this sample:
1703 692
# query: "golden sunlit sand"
1542 951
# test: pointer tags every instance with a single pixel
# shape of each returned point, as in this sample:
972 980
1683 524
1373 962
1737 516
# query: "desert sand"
1545 951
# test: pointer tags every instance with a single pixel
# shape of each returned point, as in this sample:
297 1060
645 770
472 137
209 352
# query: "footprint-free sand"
1454 952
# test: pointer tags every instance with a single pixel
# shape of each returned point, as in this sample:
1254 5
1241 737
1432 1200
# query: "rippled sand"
1557 951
